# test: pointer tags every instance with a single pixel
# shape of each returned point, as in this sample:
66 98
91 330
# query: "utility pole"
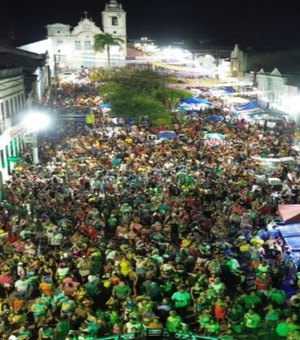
35 151
56 64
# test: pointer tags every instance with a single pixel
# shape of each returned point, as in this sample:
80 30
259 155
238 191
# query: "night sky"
219 23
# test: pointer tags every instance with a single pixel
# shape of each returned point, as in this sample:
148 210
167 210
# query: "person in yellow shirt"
125 266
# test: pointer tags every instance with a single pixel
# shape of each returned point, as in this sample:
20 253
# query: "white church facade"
74 47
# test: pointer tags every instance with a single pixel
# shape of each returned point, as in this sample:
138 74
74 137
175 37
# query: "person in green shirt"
277 296
39 311
45 333
250 300
121 290
62 329
173 323
252 321
181 298
204 319
282 330
92 289
293 323
235 317
294 335
212 328
272 316
23 334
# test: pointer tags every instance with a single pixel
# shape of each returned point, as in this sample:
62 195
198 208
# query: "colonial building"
275 74
74 47
24 80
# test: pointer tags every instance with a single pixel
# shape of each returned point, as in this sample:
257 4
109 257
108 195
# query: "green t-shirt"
250 301
213 328
121 292
272 315
252 320
182 299
277 296
204 320
282 329
173 323
92 289
292 327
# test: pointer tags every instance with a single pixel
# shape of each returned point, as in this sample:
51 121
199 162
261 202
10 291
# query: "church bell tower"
114 22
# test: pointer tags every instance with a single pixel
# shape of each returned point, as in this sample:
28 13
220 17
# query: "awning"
289 212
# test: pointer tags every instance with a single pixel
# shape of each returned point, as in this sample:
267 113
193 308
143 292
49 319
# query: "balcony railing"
156 334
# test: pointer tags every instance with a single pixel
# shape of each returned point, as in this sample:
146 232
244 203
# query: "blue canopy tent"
196 101
214 118
291 235
167 135
257 115
252 106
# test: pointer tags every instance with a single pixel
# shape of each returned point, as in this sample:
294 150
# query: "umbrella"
167 135
106 109
105 106
214 118
215 135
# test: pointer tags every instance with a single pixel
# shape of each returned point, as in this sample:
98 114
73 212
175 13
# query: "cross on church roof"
85 14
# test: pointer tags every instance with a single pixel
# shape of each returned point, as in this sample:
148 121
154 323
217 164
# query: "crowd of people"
114 232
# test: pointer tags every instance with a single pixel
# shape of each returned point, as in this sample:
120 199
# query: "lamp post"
35 150
34 122
56 64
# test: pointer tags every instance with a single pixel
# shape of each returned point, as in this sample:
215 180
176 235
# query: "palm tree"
105 41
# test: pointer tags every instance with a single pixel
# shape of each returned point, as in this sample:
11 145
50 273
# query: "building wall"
12 101
277 87
271 87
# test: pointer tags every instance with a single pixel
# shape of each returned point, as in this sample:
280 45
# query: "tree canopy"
139 92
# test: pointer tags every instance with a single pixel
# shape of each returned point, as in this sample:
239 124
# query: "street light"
34 122
56 64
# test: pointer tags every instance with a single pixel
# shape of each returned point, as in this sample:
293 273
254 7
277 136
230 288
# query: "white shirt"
21 286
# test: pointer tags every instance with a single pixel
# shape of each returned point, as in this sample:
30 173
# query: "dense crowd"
115 232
